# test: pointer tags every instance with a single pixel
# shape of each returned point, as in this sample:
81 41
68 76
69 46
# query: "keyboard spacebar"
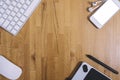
31 8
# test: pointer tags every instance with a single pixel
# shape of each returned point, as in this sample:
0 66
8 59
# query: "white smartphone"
105 12
87 72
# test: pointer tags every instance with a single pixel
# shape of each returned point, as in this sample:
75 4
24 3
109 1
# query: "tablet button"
85 68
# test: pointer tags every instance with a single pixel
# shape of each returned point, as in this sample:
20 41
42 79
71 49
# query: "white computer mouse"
8 69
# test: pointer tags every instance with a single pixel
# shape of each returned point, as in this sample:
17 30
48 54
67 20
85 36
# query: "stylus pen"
102 64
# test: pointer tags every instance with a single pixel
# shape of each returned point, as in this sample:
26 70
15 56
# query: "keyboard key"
14 31
22 11
16 9
19 15
2 10
17 27
9 28
23 18
1 3
11 7
0 15
25 6
5 16
5 6
16 19
1 21
19 5
22 1
20 23
17 0
28 2
8 2
10 18
8 11
13 14
14 3
13 23
6 23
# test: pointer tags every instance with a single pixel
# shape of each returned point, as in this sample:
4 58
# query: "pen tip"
87 55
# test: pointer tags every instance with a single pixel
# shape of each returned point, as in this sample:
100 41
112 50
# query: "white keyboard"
15 13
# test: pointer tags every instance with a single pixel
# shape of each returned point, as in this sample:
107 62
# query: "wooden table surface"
59 35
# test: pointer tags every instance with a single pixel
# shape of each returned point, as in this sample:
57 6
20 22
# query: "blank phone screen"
105 12
95 75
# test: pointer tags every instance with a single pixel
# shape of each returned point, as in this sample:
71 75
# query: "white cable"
96 5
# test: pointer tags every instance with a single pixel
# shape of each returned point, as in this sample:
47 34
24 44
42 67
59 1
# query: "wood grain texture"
57 36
